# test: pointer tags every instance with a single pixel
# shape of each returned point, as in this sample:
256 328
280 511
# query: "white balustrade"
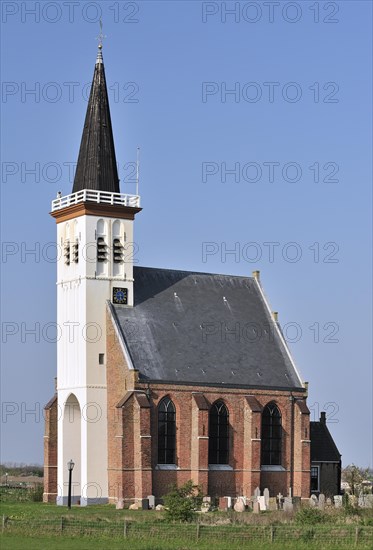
100 197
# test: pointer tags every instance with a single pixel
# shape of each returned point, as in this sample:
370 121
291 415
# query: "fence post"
125 534
356 536
198 529
62 523
4 522
272 533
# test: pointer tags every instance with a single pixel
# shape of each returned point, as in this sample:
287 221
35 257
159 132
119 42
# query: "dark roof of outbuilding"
323 448
97 166
204 329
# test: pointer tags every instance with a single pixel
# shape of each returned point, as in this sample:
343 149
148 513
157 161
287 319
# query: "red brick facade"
132 433
50 451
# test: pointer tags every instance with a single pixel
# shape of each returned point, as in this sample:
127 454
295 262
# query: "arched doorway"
72 447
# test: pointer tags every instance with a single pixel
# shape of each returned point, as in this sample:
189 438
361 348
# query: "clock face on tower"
120 295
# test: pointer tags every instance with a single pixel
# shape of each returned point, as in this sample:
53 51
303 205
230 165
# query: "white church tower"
95 236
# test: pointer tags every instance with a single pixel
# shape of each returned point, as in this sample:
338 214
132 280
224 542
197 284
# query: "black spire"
97 165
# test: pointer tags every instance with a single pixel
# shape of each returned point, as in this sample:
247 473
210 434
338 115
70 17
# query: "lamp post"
70 466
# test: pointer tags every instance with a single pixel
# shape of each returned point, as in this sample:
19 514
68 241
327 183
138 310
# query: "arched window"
271 435
166 432
219 434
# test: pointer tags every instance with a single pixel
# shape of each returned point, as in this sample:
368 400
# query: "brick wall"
133 469
50 451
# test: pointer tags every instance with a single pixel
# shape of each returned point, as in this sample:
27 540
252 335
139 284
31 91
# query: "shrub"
182 502
36 494
310 516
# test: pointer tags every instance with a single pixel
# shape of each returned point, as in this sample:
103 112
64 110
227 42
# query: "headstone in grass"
297 503
262 504
313 501
365 501
328 502
338 501
321 501
266 497
134 506
205 507
272 504
159 507
256 507
288 504
151 499
239 505
280 501
223 504
257 492
120 504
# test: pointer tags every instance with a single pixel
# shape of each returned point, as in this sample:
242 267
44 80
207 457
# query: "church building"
163 376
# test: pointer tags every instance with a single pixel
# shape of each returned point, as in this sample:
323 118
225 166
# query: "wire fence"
345 536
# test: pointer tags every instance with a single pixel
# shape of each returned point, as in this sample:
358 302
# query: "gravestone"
262 504
313 501
205 507
134 506
272 504
229 502
288 504
365 501
266 497
328 502
145 504
338 501
151 499
120 504
256 507
280 501
239 506
296 503
159 507
223 504
321 501
257 492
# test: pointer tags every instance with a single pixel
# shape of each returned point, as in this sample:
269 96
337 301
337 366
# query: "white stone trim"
274 468
275 324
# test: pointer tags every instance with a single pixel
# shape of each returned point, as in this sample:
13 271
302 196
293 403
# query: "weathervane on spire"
101 36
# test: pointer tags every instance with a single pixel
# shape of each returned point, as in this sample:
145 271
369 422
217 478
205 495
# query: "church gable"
200 328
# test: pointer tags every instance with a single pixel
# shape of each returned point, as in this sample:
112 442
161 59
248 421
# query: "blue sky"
297 131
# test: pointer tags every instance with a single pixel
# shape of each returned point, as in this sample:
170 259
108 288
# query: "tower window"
101 358
101 250
271 435
67 252
117 251
219 434
76 251
166 431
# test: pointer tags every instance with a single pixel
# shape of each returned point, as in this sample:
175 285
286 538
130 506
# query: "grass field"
11 542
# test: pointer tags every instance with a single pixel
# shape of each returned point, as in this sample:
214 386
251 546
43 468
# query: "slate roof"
180 331
323 448
97 166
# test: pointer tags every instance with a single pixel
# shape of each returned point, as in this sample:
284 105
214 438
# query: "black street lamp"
70 466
